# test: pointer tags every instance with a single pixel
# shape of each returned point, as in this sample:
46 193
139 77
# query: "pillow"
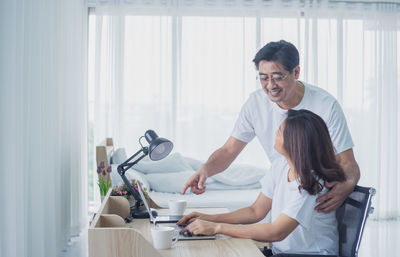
119 156
168 182
130 174
133 174
194 163
171 163
241 175
173 182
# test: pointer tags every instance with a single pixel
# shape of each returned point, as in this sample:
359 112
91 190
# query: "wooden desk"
109 235
222 246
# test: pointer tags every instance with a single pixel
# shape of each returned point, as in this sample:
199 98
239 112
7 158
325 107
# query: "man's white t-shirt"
317 232
261 117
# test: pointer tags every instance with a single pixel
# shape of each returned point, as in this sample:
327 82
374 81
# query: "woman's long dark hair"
309 147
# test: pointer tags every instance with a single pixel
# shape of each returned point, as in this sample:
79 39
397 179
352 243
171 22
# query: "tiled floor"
381 238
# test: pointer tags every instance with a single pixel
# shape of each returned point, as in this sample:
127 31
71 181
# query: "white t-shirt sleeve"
301 207
338 129
268 182
244 129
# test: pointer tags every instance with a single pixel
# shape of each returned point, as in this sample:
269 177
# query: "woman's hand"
201 227
192 217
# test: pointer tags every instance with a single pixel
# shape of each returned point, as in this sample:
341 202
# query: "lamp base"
139 213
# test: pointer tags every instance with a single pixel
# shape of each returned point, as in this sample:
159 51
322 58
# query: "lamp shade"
159 147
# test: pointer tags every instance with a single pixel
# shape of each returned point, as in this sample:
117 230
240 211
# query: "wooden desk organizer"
109 235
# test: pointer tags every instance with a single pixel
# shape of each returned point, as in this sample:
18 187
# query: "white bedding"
235 188
231 199
170 174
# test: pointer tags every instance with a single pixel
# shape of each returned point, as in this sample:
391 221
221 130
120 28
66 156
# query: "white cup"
164 237
176 207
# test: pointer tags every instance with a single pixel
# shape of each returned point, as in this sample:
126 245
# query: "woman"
289 191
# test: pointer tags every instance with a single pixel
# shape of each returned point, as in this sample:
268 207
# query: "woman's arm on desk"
248 215
267 232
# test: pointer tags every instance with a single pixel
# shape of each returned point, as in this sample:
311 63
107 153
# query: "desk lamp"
158 149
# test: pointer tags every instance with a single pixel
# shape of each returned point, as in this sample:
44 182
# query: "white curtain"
184 68
43 113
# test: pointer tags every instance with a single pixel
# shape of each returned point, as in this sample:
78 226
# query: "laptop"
153 215
170 219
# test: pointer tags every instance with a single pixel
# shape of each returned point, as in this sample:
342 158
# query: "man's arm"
340 190
217 162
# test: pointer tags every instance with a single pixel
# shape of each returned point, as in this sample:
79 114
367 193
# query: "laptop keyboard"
187 235
179 228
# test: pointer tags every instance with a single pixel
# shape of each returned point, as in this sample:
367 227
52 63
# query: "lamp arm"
132 190
123 167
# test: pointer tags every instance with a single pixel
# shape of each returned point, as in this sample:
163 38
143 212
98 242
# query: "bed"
235 188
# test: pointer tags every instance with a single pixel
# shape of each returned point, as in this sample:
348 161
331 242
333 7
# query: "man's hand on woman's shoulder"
335 197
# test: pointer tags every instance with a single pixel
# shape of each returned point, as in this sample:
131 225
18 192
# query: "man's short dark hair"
281 51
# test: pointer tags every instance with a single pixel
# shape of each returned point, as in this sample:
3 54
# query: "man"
264 111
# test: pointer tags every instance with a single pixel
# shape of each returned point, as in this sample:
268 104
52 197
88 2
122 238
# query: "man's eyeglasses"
276 78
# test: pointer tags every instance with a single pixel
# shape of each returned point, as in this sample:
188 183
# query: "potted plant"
104 179
123 190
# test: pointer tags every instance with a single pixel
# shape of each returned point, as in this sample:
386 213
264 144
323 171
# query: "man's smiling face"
278 83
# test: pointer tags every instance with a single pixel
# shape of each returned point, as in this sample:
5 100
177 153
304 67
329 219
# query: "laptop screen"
145 201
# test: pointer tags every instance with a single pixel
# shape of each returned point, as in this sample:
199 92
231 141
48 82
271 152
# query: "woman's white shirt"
317 232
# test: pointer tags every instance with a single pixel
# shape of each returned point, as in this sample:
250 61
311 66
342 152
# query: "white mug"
176 207
164 237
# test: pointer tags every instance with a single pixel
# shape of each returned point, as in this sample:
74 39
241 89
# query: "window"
185 71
